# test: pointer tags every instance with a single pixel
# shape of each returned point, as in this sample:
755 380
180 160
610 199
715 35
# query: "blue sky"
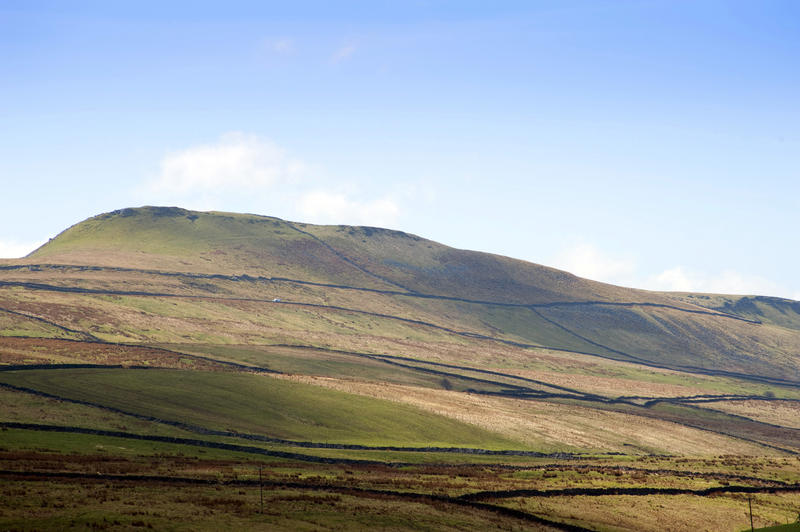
653 144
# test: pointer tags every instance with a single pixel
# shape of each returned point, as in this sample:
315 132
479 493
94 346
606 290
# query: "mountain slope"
391 275
355 366
161 237
774 310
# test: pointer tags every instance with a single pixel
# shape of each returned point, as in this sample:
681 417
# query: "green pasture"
315 362
258 404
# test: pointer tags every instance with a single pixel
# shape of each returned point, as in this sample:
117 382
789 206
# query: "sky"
647 143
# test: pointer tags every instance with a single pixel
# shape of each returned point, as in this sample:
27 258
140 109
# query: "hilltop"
370 257
373 376
486 294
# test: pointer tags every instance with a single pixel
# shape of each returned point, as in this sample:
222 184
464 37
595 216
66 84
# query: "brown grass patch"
612 386
551 426
665 513
25 351
783 413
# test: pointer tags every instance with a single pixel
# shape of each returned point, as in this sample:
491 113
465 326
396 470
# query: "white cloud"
247 173
675 279
586 260
345 52
732 282
321 206
235 160
12 249
725 282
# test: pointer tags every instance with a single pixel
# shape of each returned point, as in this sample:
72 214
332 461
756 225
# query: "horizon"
650 145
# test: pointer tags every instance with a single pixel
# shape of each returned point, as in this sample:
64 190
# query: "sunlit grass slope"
176 239
259 405
244 243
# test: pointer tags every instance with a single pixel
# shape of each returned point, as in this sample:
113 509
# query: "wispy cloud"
343 53
728 281
243 172
323 206
283 45
675 279
586 260
235 160
12 249
589 261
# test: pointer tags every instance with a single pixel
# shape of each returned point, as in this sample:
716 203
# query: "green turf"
343 365
74 443
13 439
258 404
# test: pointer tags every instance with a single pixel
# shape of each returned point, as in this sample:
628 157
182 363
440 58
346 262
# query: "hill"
480 293
373 372
367 257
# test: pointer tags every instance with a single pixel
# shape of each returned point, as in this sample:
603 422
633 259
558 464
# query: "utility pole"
261 492
750 504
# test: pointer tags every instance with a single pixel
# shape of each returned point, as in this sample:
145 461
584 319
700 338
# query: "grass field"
259 405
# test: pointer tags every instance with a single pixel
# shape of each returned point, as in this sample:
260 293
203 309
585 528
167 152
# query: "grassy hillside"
165 351
389 284
258 405
180 240
773 310
160 237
